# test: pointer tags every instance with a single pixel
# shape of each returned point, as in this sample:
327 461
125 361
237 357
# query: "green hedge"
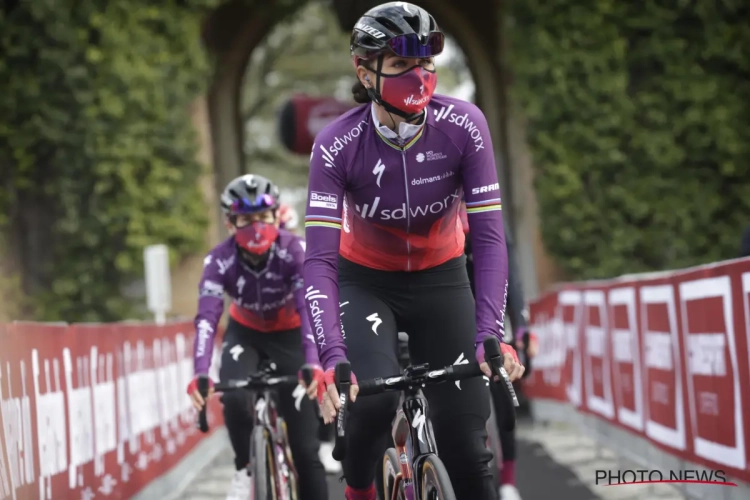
96 135
639 124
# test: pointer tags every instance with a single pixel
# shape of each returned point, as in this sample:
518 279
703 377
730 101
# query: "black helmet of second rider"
250 204
396 42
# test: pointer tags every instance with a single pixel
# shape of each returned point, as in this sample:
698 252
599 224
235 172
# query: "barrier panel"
663 356
93 410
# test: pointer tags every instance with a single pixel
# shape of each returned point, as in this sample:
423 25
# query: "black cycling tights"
507 438
243 348
436 307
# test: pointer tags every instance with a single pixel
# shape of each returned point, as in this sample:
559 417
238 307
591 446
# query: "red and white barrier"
664 356
93 411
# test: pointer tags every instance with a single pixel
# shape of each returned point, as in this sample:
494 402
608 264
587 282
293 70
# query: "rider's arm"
483 208
516 303
323 233
298 285
210 308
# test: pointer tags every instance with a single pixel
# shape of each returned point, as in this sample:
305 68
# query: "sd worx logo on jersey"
339 143
370 211
312 296
461 121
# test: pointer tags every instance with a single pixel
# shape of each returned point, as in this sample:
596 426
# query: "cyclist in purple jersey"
260 268
386 247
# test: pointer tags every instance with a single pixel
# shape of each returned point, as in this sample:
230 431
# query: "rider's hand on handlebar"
510 362
317 387
329 400
533 342
195 395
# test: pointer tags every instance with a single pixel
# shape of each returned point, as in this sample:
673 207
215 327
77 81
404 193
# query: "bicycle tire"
262 469
289 462
391 468
436 485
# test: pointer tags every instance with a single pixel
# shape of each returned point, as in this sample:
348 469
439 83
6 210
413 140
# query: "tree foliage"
639 128
97 152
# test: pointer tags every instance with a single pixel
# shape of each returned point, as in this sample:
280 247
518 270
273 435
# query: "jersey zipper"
408 211
260 304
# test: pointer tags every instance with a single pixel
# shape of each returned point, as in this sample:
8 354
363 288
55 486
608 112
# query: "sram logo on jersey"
461 121
324 200
339 143
486 189
368 211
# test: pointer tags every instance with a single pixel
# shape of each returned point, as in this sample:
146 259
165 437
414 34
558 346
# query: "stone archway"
234 29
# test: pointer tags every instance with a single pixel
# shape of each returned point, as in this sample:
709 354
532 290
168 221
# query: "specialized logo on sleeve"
312 296
430 156
486 189
462 121
324 200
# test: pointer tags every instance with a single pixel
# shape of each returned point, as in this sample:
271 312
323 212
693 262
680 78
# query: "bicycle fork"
401 436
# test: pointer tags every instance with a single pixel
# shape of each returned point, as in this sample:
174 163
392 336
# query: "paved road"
554 462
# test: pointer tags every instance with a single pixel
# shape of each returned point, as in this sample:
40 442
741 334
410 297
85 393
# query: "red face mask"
409 91
257 237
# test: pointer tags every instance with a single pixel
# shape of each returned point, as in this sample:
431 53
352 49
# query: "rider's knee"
373 412
305 451
236 405
463 446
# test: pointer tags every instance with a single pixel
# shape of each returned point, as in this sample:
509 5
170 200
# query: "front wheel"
262 465
391 469
436 485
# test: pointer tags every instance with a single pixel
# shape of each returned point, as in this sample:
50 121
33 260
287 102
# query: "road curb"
171 485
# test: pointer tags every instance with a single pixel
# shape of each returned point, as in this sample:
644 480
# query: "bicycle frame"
262 403
414 440
412 432
266 415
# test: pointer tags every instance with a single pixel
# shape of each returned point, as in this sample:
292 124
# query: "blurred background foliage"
637 119
308 54
97 154
639 125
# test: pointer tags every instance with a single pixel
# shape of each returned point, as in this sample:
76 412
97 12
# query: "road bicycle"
271 467
412 469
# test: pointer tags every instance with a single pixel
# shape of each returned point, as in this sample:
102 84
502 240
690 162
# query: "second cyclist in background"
260 268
